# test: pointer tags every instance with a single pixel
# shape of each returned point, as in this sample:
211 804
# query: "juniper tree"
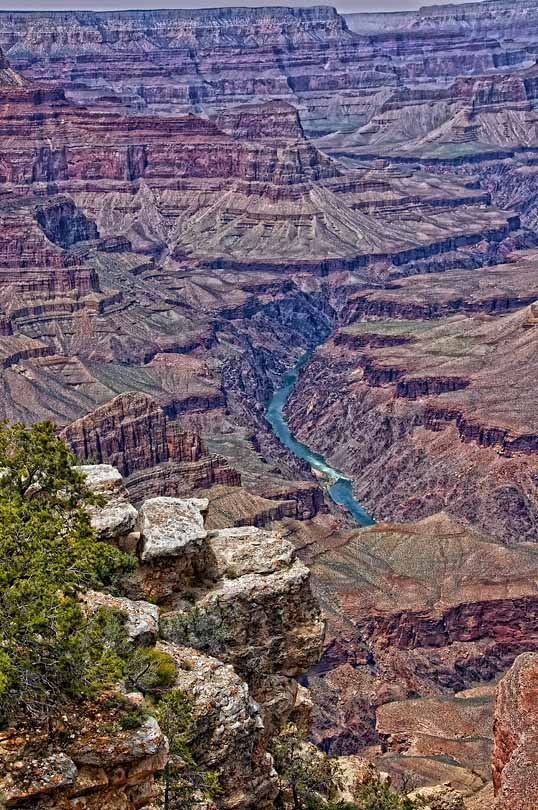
49 651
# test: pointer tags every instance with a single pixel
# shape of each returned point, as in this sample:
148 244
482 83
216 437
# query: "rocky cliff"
419 391
423 618
208 60
240 680
156 456
159 272
515 751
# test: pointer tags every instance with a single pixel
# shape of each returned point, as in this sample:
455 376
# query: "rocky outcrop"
265 620
240 624
96 769
515 752
231 598
141 618
228 734
133 433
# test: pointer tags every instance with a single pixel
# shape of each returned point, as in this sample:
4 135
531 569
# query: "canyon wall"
206 60
514 754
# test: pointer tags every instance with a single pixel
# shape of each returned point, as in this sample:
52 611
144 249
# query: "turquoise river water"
340 489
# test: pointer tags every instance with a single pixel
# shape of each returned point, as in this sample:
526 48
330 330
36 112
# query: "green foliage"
128 714
49 651
33 459
311 781
196 628
185 783
133 718
149 670
380 796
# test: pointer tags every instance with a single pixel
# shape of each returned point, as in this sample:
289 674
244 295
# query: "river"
340 490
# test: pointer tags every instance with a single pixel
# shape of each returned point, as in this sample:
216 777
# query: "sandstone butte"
183 215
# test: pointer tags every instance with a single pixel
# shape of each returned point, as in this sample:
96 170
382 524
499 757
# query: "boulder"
171 527
117 518
439 797
141 618
260 614
102 479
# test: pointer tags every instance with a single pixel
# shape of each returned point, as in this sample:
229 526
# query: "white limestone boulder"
171 527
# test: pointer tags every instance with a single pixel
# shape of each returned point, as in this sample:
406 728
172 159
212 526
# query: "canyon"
193 201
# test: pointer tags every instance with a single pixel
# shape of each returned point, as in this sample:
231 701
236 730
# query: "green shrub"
380 796
149 669
49 651
133 717
183 779
311 782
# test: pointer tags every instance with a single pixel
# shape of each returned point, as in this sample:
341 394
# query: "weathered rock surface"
228 733
251 603
98 770
156 454
334 69
171 528
141 618
254 572
439 797
198 259
417 613
515 753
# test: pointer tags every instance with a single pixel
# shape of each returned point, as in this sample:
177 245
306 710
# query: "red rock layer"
275 119
420 398
132 433
515 753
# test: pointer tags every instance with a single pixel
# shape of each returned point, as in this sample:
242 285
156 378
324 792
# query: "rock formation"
159 272
516 730
239 699
422 619
96 769
334 69
133 433
418 390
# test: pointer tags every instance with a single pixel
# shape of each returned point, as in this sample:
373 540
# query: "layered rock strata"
418 395
133 433
423 618
333 68
147 270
